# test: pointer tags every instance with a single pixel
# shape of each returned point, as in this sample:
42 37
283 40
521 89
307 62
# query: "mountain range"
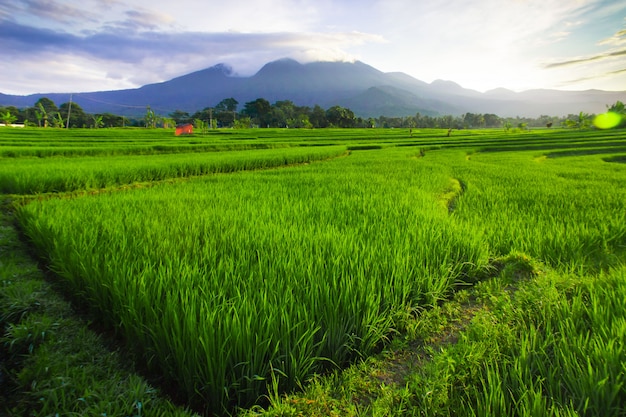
362 88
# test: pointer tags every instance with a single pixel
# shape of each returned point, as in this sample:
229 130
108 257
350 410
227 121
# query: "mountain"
362 88
391 101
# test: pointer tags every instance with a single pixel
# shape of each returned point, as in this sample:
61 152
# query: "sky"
76 46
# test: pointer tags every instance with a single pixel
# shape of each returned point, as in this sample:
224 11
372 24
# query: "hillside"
364 89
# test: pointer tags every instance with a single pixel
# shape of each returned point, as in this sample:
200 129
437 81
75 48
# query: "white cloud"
484 44
480 44
617 39
148 57
62 74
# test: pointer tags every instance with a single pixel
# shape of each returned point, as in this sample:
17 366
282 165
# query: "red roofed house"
186 129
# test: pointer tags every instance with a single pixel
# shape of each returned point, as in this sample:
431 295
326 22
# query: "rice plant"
36 175
228 283
223 282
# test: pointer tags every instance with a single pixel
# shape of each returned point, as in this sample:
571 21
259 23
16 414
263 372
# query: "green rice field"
245 266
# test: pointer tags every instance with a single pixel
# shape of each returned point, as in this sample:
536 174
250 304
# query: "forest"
260 113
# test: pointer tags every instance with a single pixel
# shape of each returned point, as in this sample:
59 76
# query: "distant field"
227 283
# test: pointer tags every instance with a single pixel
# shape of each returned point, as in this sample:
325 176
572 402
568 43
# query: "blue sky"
95 45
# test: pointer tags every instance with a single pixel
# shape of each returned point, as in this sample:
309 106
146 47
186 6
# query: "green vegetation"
528 342
287 114
51 361
480 273
32 176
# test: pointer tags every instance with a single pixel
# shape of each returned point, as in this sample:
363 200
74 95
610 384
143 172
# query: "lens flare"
607 120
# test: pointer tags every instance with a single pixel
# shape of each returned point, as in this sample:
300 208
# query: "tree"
57 121
284 113
150 118
225 112
44 107
618 108
8 118
302 121
180 117
206 115
42 115
225 118
302 117
5 112
168 122
39 116
47 104
491 120
582 121
258 111
201 125
340 117
243 123
472 120
108 119
97 121
447 122
318 117
228 104
77 118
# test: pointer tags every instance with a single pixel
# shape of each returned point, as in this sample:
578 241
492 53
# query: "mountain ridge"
367 91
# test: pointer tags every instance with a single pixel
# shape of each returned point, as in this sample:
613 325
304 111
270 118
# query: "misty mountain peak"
279 66
500 92
224 69
446 85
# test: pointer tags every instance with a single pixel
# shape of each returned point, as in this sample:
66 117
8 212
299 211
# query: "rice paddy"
234 279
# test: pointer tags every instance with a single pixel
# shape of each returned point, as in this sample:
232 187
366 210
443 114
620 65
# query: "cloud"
616 40
481 44
147 56
136 20
598 57
19 39
608 74
118 44
55 11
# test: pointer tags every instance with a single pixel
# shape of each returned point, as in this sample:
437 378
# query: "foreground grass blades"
51 363
61 174
287 271
239 287
528 342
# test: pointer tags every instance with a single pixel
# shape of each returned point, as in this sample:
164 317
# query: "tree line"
281 114
45 113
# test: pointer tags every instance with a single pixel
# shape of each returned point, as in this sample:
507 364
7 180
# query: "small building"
184 129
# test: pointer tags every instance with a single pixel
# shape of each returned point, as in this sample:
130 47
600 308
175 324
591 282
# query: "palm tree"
8 118
97 121
583 121
150 118
43 114
39 116
618 108
58 121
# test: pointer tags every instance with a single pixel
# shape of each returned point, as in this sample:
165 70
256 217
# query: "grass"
292 269
51 361
528 342
480 262
62 174
567 213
